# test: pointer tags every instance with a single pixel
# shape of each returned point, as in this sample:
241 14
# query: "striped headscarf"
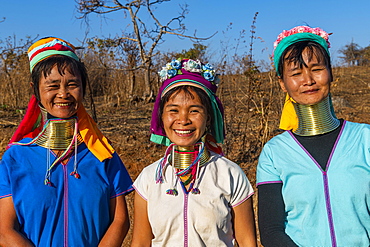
49 46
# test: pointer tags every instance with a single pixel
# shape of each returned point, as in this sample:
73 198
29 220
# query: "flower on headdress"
170 70
207 67
302 29
195 66
209 75
171 73
176 64
163 73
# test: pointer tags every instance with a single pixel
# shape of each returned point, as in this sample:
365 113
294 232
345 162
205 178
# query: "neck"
185 156
315 119
57 134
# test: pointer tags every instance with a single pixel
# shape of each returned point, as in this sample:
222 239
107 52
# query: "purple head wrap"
193 73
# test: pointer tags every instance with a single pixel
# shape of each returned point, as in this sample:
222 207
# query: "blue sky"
347 20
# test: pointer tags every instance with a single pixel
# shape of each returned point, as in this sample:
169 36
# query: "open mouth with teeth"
63 104
184 132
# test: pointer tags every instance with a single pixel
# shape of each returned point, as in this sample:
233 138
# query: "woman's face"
61 95
184 118
307 85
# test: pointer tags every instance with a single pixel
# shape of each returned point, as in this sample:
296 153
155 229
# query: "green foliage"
198 51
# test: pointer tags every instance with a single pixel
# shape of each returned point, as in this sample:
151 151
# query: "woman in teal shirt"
314 179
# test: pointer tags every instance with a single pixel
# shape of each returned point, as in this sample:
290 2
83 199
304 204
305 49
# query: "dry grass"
252 109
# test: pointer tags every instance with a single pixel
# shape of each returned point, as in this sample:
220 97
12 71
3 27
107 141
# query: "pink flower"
316 31
302 29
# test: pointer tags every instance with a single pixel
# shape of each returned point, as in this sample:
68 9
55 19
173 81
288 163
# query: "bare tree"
366 55
13 63
352 53
146 35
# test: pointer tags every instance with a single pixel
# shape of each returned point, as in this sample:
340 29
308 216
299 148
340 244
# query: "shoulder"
223 165
20 144
17 148
226 175
115 157
143 183
279 142
350 126
283 137
219 159
355 134
356 130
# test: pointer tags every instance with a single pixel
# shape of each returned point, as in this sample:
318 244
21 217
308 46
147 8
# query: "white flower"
193 66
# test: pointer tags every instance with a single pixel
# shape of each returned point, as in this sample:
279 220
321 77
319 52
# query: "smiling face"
307 84
61 95
184 118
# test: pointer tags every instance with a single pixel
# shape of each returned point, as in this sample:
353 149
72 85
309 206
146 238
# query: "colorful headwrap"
193 73
289 119
31 124
49 46
297 34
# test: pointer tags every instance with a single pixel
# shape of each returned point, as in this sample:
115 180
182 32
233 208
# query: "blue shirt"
323 208
72 212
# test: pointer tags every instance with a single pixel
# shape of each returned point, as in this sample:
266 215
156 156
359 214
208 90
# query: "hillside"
252 115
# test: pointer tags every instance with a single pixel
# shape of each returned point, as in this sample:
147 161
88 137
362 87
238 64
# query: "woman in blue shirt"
61 182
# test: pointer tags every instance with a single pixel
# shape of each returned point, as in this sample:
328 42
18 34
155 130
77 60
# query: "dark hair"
63 63
204 99
295 51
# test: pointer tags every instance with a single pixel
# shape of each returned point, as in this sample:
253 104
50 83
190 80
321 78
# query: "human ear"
282 85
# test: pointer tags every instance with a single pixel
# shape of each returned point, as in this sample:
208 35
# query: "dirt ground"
127 126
